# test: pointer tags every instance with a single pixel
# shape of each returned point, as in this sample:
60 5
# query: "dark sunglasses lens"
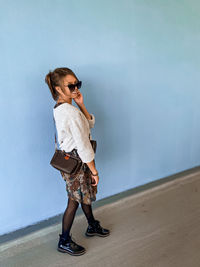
79 84
72 86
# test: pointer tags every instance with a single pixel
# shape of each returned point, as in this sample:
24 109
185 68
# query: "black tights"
69 214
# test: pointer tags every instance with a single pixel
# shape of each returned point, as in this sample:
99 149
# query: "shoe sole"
65 251
88 234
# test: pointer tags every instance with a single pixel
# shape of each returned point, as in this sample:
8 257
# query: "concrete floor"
158 227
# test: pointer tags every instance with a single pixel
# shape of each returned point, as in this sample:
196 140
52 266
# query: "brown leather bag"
65 162
94 144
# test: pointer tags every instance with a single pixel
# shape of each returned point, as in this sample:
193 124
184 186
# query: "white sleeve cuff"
92 121
86 156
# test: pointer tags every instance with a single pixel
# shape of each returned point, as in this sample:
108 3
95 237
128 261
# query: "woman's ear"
58 89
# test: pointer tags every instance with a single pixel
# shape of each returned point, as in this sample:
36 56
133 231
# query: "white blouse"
73 130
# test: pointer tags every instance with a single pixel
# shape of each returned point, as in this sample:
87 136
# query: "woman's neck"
69 100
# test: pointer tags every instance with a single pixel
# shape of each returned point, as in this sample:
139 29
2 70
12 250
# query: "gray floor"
158 227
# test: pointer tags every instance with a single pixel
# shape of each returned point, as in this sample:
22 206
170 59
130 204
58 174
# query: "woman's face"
66 93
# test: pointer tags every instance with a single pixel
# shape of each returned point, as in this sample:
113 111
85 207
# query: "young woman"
73 131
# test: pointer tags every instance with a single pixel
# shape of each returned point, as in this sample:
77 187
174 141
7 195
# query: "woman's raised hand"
79 98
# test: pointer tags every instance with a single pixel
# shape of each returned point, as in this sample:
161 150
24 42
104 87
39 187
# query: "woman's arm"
92 167
85 112
91 120
84 147
90 117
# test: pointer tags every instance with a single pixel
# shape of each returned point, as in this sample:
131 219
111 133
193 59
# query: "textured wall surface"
139 62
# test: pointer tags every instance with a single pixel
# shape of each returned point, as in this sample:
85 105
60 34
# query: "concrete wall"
139 63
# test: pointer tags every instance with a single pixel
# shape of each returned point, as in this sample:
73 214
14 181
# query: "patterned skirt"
78 185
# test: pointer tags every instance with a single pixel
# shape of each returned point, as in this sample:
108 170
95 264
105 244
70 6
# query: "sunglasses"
72 86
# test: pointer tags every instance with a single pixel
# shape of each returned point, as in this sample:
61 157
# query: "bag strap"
56 146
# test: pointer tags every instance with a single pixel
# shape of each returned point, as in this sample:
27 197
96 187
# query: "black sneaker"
69 246
96 229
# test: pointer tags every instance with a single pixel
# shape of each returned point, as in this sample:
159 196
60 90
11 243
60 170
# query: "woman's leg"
87 209
68 217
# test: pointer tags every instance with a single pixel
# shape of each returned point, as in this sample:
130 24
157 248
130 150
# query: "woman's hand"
79 99
95 180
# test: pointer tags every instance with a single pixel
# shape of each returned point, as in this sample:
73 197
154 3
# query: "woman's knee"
73 202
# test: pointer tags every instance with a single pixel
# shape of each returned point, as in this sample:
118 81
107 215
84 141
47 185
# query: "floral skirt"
78 186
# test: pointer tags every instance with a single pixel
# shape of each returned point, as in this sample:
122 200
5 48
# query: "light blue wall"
139 62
